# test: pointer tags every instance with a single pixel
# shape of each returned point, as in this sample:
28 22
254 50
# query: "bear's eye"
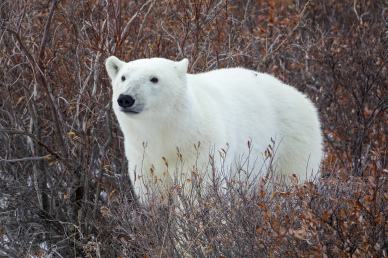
154 80
123 78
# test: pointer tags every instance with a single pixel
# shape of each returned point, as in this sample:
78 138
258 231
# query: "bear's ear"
113 66
182 66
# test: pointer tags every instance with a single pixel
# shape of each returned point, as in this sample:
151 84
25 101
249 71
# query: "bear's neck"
180 123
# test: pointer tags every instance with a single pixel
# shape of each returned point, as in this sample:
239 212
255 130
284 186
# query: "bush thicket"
64 187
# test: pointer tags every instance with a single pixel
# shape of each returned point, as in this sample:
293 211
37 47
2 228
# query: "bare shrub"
64 187
335 218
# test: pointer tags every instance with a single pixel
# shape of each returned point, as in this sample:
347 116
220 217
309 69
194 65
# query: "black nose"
125 101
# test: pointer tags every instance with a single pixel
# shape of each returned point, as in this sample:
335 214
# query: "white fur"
223 108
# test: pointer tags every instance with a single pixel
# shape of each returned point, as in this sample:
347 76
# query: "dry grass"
62 167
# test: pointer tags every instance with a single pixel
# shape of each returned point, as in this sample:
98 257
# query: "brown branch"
54 109
34 138
46 32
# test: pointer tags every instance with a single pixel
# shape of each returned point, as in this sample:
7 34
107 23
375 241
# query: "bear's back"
261 107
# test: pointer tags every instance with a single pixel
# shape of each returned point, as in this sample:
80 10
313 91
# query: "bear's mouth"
129 111
132 110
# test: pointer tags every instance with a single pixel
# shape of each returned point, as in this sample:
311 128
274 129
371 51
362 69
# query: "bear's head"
146 85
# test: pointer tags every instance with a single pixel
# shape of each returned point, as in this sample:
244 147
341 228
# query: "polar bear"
172 120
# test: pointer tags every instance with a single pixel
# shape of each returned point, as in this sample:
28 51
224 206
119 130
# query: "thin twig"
288 35
23 159
46 32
